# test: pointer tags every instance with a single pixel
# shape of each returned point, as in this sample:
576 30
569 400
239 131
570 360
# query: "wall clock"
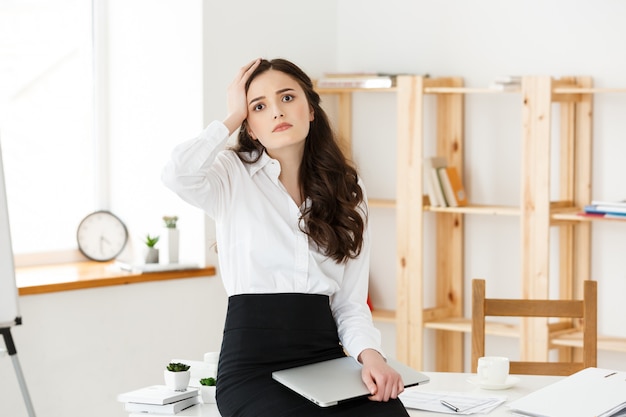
101 236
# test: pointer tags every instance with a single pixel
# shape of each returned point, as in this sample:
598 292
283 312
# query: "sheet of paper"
417 398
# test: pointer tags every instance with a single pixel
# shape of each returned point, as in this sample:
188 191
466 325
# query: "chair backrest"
585 309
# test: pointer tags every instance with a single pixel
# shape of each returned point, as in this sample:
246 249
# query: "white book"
433 185
508 79
505 87
609 203
446 185
140 268
171 408
356 82
156 394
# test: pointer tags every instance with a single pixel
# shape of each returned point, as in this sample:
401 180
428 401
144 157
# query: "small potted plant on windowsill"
177 376
207 390
152 253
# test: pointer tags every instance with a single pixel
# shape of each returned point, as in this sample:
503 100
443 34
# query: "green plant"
151 240
170 221
177 367
208 382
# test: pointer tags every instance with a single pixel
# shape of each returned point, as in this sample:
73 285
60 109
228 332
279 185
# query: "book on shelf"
356 81
604 203
157 395
170 408
602 209
506 83
452 186
433 185
508 79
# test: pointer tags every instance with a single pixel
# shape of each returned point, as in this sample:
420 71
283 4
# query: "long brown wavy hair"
333 219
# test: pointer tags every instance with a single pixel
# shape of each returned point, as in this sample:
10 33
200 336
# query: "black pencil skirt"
268 332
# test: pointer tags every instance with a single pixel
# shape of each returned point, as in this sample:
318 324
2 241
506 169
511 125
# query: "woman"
291 225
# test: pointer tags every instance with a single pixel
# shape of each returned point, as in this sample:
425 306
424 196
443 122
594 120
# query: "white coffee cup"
493 370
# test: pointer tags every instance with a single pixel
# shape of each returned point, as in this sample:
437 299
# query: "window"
46 121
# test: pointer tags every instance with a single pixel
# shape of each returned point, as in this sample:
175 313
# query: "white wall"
79 349
478 41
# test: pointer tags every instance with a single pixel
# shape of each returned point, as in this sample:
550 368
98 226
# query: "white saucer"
510 381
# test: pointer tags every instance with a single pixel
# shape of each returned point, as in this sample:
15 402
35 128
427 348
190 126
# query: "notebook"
590 392
331 382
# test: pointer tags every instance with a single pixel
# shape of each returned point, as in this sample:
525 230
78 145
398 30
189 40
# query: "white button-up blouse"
261 248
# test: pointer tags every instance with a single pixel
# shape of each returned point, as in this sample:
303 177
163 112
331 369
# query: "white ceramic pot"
152 256
208 394
177 381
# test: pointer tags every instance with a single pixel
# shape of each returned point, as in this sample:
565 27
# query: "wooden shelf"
580 90
478 209
386 316
575 339
575 216
380 202
538 215
355 90
467 90
81 275
464 325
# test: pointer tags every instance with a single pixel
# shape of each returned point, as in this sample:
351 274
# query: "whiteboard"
9 306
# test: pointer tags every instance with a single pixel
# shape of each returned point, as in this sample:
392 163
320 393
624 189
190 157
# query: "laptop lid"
331 382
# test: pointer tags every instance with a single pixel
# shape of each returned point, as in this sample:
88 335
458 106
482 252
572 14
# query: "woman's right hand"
237 105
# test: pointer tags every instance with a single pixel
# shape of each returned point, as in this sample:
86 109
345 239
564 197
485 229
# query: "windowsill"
80 275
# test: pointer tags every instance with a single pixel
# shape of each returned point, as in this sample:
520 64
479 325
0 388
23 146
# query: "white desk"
439 381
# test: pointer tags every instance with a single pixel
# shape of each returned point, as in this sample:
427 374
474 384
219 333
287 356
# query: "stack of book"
609 209
356 80
507 83
443 183
158 399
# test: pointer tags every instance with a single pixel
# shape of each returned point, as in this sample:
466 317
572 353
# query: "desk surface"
439 381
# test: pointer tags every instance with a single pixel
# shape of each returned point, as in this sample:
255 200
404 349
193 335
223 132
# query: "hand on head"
237 105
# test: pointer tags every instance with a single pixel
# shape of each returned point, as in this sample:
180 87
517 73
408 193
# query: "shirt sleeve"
349 304
194 172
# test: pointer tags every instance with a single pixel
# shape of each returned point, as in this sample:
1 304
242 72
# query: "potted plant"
207 390
171 238
177 376
152 253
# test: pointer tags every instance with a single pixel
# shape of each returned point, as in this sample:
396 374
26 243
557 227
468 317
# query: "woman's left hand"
381 379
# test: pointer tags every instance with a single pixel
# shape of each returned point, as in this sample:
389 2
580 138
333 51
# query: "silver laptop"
331 382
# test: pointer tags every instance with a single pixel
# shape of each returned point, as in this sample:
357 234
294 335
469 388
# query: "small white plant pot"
208 394
177 381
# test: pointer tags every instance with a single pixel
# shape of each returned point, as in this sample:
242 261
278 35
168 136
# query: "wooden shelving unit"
538 214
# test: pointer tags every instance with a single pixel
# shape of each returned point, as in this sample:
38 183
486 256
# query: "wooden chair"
585 309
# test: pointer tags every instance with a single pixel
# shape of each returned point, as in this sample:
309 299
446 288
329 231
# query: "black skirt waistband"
279 311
